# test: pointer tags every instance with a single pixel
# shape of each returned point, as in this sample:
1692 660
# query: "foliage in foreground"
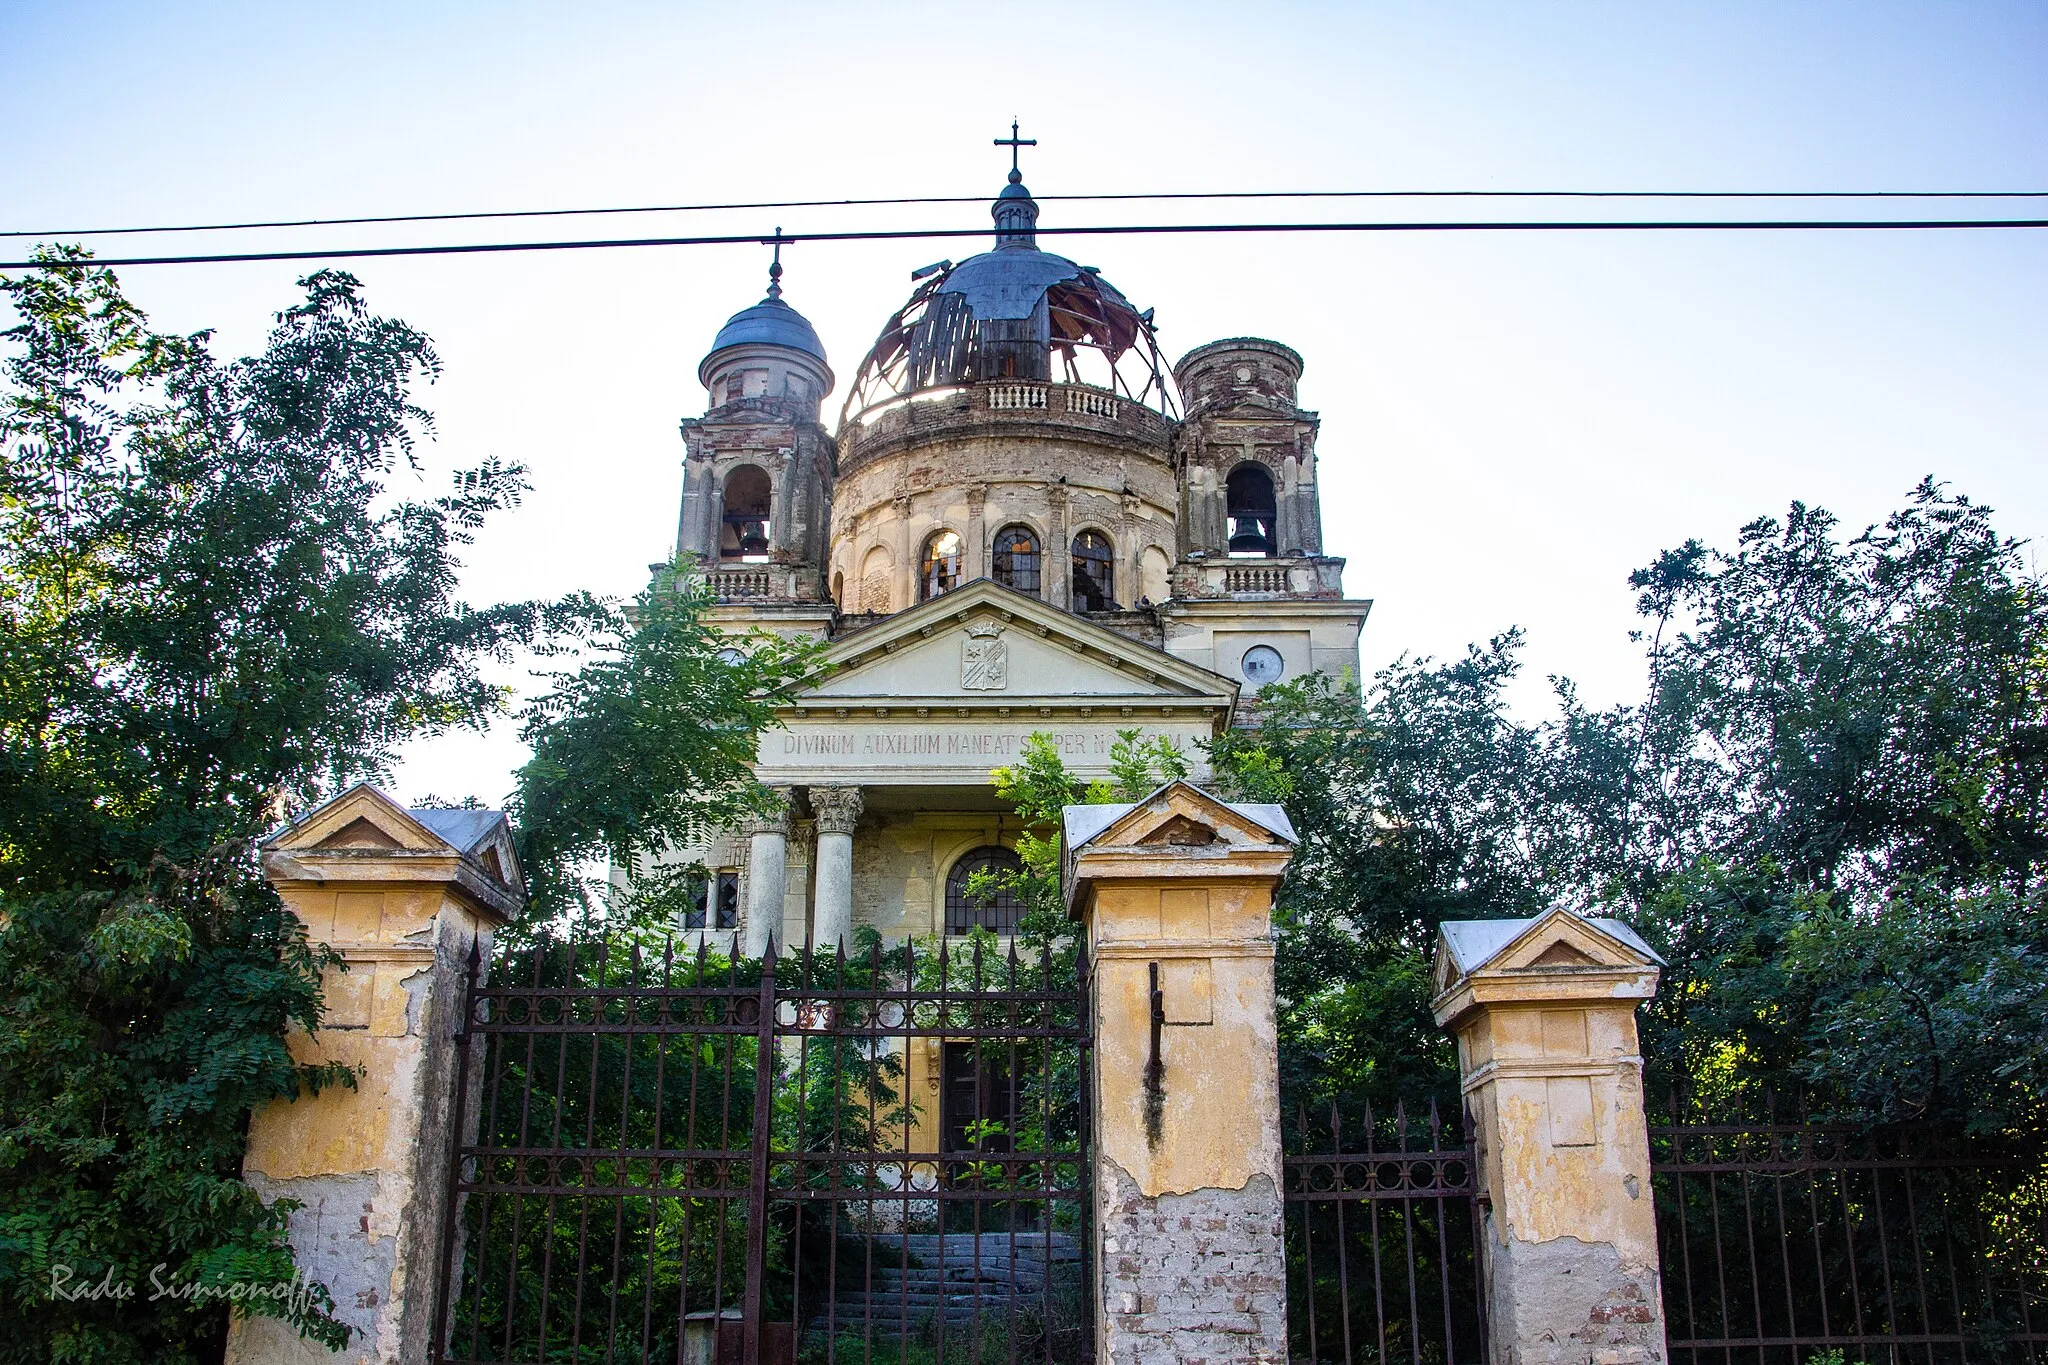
212 613
1829 811
642 748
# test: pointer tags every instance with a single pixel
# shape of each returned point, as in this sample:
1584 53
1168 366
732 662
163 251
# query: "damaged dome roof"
1014 312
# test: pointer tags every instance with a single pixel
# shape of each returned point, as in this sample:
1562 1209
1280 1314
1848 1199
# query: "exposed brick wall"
1193 1278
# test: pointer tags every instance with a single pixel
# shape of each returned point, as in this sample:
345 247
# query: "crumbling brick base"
1568 1302
1196 1278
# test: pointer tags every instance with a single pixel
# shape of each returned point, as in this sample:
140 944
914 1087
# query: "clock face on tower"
1262 664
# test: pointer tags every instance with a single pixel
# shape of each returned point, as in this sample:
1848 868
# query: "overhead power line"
1043 198
1110 230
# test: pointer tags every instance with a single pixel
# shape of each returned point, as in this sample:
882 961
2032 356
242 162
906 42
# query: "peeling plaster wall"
369 1163
1571 1245
1565 1300
1191 1260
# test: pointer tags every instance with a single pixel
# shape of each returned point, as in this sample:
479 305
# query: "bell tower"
1254 596
758 465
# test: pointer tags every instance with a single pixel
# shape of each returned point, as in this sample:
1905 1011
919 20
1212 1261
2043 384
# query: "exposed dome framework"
1014 313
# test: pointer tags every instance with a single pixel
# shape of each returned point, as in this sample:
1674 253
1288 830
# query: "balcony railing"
1004 396
736 584
1255 580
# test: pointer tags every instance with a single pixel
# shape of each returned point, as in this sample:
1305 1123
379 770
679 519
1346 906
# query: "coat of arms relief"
984 658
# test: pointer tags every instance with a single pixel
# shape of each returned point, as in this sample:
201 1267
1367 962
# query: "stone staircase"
955 1274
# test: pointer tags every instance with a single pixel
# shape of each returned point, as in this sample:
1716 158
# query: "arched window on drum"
998 910
1015 563
940 571
1094 582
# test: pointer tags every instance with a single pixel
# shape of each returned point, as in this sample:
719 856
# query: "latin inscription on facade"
875 752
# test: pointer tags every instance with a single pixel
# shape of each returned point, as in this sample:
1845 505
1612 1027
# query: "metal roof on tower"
771 322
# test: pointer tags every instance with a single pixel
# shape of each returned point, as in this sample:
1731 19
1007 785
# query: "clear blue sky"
1510 424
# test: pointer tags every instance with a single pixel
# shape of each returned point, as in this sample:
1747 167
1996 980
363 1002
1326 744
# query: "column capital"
773 822
837 808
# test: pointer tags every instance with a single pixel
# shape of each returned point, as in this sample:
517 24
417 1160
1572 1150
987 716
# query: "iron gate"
1786 1240
1382 1236
816 1157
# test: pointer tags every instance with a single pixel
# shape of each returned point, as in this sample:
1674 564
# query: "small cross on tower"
1013 142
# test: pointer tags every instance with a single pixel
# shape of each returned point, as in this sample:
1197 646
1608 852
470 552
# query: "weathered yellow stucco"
1552 1075
1187 1152
1220 1115
404 908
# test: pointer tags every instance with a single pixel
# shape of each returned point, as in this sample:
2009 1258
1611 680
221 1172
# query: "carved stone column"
767 878
838 810
977 560
698 533
1059 556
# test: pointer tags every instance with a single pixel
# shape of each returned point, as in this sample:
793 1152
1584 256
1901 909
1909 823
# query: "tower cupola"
768 351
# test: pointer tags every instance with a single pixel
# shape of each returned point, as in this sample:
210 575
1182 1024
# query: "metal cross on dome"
1013 142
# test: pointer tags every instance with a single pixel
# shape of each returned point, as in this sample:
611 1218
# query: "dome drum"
1049 412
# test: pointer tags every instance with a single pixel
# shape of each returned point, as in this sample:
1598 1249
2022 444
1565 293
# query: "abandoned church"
778 1136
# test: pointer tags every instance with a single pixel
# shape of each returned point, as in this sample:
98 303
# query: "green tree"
1418 801
644 747
1835 821
213 611
1827 810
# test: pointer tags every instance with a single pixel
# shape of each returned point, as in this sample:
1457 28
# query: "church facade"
1025 522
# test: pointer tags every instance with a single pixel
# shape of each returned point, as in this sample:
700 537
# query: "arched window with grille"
1015 563
1248 498
940 571
1094 572
997 912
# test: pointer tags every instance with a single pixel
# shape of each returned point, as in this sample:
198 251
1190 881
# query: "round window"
1262 664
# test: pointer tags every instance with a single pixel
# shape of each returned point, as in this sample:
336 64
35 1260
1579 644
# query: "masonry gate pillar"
1175 893
405 896
1544 1010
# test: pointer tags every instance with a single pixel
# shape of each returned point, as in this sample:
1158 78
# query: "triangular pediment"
1556 941
360 818
361 832
986 643
1182 814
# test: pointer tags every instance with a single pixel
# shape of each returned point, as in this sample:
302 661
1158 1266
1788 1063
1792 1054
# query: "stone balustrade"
929 412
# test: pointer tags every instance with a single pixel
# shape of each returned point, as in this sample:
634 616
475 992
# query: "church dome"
1014 312
771 322
767 351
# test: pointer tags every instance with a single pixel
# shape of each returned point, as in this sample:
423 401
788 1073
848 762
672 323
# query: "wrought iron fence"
1784 1239
1382 1238
814 1157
